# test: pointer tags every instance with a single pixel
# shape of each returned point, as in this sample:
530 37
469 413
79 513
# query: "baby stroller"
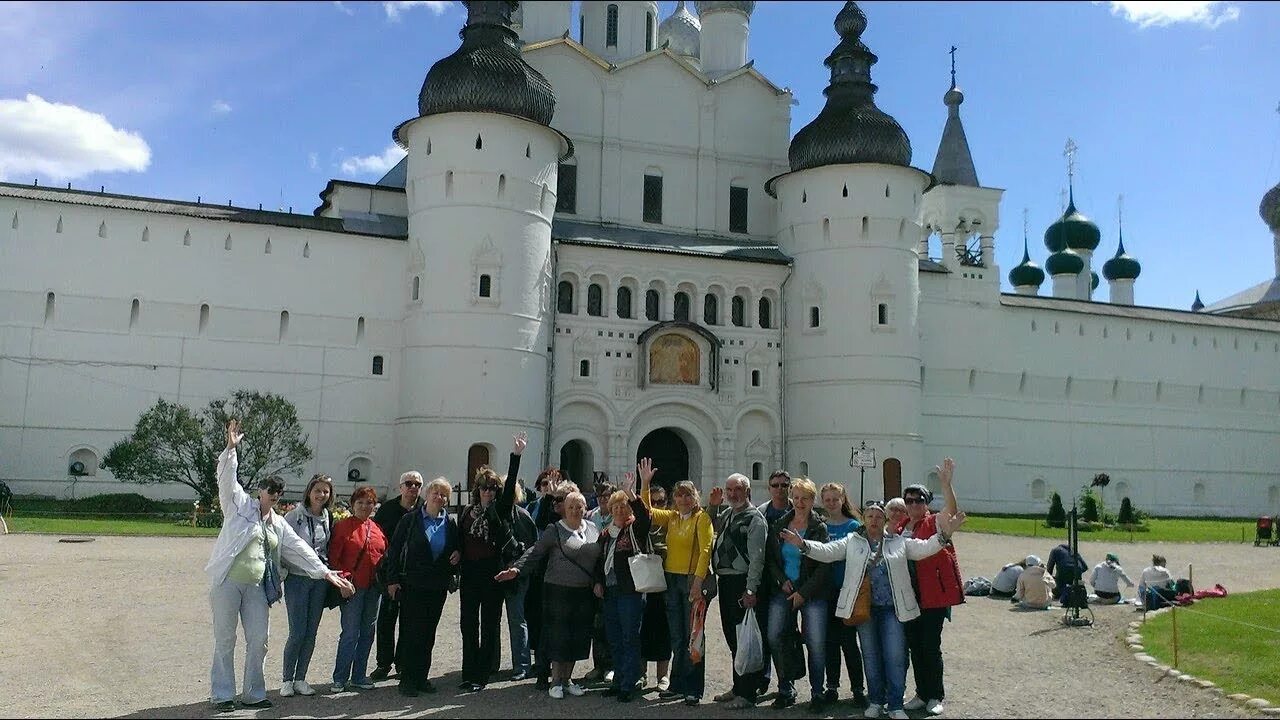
1266 532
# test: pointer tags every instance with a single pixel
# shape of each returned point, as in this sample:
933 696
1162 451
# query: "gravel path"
120 627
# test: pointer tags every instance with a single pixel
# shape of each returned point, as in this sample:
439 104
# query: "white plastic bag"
750 655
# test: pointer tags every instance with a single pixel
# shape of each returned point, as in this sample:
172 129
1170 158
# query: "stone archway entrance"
576 460
670 456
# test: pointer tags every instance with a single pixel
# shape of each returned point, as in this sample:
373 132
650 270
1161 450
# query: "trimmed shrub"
116 504
1057 517
1090 507
1126 516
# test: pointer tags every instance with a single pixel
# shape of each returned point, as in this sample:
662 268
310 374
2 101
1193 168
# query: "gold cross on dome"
1070 152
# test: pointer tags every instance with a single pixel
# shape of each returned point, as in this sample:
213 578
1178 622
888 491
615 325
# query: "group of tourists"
803 582
1035 585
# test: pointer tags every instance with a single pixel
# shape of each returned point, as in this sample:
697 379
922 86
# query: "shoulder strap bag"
647 573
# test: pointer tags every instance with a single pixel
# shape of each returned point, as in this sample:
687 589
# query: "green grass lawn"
104 526
1213 644
1160 529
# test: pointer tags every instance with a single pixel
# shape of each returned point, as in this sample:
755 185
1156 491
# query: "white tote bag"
646 570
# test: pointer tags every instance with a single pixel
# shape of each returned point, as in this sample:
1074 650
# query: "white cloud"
64 142
220 107
373 164
343 8
313 161
437 7
1150 13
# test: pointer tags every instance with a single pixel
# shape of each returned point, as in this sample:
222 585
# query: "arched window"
651 302
648 32
711 309
681 307
882 314
815 316
624 303
204 317
611 26
284 325
595 300
584 368
765 315
486 286
377 364
134 309
755 378
1037 489
804 468
564 297
1197 492
756 470
738 311
48 308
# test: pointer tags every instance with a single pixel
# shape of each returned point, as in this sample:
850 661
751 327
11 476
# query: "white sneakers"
302 687
664 683
286 690
873 711
915 703
933 707
575 689
556 692
899 715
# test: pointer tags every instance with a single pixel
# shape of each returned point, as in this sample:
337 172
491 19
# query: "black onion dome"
1073 230
487 73
1026 273
1269 208
1123 266
850 128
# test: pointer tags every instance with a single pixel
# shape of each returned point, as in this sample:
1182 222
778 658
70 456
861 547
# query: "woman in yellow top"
689 537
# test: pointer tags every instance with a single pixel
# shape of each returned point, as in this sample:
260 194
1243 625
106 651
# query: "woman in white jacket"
252 537
875 550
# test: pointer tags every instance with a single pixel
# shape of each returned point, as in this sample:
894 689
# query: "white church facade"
622 278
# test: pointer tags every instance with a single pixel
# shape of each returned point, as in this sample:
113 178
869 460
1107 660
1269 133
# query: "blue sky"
1173 105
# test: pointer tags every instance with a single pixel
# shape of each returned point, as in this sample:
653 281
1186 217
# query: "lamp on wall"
77 468
353 474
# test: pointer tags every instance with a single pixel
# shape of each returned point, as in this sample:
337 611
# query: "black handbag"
791 653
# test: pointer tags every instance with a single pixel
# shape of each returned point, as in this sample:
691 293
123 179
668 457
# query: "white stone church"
622 277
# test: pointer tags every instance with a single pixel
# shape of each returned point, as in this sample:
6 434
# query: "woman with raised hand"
243 572
798 585
424 556
571 546
842 640
626 536
876 551
357 547
655 645
312 520
689 538
486 529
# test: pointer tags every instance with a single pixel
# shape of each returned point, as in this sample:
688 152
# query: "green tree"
1127 515
172 444
1090 507
1057 514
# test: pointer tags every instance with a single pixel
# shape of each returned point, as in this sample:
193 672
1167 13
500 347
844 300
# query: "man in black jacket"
387 517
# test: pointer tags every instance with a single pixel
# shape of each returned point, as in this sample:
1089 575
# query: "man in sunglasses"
387 517
936 597
778 504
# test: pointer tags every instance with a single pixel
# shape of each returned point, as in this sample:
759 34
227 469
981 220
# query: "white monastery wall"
81 361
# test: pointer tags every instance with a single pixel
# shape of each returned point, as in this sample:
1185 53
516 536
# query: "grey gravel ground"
120 627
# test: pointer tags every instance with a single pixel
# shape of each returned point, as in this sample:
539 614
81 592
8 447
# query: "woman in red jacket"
938 588
356 549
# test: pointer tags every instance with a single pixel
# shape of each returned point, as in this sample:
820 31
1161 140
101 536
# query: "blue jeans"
687 677
884 657
359 625
623 611
238 604
813 630
304 601
517 627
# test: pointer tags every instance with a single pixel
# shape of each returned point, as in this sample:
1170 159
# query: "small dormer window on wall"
611 26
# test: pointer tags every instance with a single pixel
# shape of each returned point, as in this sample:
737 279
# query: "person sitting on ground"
1035 587
1005 582
1106 579
1065 569
1156 582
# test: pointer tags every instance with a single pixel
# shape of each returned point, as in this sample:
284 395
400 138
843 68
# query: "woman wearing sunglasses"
486 527
244 574
943 591
876 552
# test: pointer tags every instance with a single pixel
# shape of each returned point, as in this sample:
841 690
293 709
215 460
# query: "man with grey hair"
387 517
737 558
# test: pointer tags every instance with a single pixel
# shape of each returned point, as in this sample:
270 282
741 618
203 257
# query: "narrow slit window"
486 286
755 378
737 209
648 32
567 189
652 199
611 26
815 317
882 314
584 368
417 288
766 313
